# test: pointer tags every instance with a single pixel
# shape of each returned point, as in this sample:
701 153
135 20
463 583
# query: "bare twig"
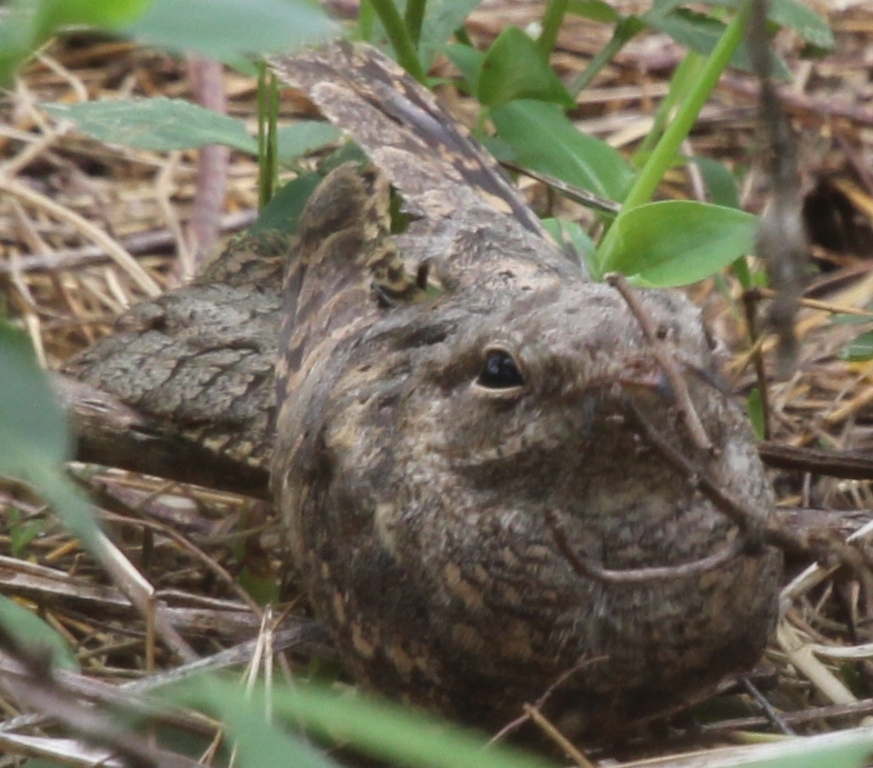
555 735
772 715
781 240
667 362
207 81
850 465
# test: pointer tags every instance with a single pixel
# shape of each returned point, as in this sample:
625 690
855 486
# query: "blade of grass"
664 154
681 83
399 36
267 106
366 19
414 18
552 19
626 29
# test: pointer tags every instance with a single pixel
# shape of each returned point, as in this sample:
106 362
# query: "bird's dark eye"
499 371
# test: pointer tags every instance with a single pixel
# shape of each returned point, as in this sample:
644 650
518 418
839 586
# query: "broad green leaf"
515 68
469 61
17 39
26 24
545 140
32 631
228 29
32 427
858 349
257 742
34 440
158 124
394 734
284 209
701 33
441 19
720 182
804 20
597 10
796 15
676 242
103 14
301 138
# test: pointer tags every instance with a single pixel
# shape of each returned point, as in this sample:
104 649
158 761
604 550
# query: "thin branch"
667 362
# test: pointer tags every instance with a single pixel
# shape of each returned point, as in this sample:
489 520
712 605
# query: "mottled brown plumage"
465 432
199 360
446 463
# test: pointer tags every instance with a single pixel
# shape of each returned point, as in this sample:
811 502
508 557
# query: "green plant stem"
680 84
414 18
263 194
552 19
648 179
366 17
624 31
268 110
399 37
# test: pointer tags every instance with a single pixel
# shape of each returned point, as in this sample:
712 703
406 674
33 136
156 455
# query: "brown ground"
71 209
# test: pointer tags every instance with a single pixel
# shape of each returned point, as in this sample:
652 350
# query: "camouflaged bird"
477 467
473 444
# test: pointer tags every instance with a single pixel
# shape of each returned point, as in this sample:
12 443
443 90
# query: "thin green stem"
414 18
268 110
366 17
399 37
680 84
263 194
648 179
552 19
272 136
624 31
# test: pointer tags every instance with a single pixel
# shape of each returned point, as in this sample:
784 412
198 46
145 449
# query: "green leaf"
545 140
514 68
103 14
441 19
284 209
32 427
858 349
796 15
31 631
397 735
304 137
256 741
719 181
158 124
597 10
677 242
34 440
701 33
17 39
804 20
469 61
228 29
